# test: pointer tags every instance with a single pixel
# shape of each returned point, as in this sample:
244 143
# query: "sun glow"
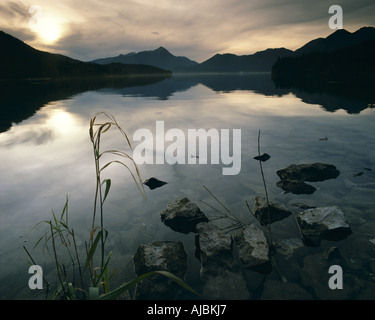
62 122
50 32
47 26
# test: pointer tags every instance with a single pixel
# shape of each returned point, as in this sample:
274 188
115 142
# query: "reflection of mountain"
333 97
36 94
21 99
163 90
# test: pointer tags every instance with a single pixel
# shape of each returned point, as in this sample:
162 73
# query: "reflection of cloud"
52 123
37 136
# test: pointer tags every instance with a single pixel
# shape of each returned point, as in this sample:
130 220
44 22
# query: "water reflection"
35 94
47 155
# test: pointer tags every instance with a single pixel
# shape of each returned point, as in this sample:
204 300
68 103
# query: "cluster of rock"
224 257
294 176
220 270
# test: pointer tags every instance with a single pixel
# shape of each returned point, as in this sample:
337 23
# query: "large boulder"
253 248
220 273
309 172
269 214
159 256
322 223
182 216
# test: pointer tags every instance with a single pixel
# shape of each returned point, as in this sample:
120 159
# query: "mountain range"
18 60
21 61
338 40
160 58
341 57
261 61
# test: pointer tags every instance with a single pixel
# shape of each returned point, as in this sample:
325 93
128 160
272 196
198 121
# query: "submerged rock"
182 216
302 205
154 183
278 290
253 248
322 223
159 256
309 172
296 186
264 157
287 247
332 253
315 276
275 211
220 274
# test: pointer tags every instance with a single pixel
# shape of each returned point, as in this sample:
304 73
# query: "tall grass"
87 280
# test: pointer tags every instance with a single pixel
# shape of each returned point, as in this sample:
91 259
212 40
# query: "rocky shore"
292 268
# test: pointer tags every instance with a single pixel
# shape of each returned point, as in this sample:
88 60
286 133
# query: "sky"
198 29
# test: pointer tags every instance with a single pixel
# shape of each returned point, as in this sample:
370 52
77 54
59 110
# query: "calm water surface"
47 156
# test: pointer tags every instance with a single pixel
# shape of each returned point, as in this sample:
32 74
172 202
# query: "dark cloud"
195 28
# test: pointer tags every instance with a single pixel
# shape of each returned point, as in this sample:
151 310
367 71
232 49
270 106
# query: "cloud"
195 28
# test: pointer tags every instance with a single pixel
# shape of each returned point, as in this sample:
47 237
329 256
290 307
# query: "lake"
47 156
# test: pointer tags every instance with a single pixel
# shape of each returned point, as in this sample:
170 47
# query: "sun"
47 26
49 31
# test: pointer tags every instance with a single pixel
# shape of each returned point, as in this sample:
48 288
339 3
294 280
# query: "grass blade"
107 187
125 287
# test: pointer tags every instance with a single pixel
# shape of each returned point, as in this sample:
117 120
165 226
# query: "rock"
295 186
276 211
214 247
315 276
358 174
253 248
220 273
264 157
287 247
225 284
277 290
302 205
159 256
182 216
322 223
309 172
154 183
332 253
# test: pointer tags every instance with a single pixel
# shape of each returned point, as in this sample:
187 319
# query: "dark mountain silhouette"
341 57
337 40
160 57
19 61
260 61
